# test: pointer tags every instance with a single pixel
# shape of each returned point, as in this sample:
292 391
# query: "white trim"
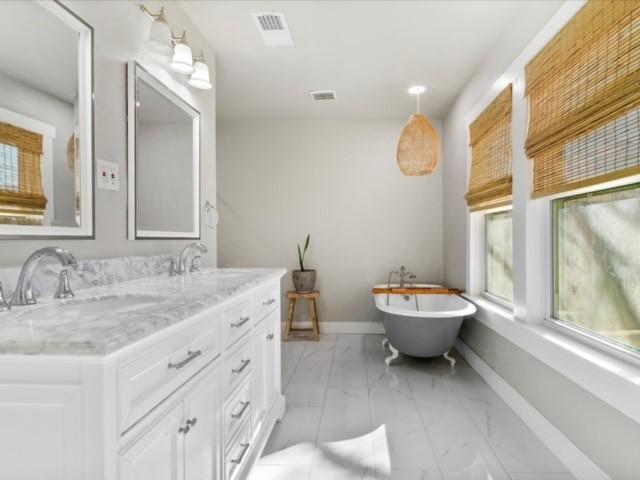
614 379
344 328
571 456
28 123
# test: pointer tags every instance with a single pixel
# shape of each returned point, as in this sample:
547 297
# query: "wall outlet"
108 175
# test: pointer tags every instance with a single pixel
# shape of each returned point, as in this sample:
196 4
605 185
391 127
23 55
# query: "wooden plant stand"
312 333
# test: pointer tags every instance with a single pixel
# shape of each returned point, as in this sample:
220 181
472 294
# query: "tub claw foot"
385 342
451 360
394 354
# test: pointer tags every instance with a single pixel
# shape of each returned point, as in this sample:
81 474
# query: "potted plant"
304 280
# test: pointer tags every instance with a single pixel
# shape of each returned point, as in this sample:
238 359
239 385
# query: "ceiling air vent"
273 29
322 95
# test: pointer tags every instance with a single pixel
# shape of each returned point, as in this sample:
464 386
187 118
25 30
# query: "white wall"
602 432
119 32
337 180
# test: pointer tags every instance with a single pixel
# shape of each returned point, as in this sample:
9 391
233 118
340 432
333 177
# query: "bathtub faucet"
403 273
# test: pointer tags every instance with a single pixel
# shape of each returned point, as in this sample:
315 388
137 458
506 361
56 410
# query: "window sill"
612 378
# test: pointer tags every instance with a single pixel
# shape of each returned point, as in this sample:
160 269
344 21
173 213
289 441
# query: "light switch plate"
108 175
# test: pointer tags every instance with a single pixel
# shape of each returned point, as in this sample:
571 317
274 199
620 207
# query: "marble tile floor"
351 417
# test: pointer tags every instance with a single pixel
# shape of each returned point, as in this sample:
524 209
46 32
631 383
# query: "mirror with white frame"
46 121
164 160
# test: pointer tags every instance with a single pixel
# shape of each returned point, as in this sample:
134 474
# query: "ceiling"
370 52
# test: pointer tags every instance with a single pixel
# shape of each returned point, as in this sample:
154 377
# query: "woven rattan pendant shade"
584 92
419 147
490 183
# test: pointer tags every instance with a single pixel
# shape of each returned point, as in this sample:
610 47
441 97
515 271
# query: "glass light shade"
182 61
200 76
159 41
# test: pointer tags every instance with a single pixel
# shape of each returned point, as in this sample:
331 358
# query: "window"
597 263
498 233
9 167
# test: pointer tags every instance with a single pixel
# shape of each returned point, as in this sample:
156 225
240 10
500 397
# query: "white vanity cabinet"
194 401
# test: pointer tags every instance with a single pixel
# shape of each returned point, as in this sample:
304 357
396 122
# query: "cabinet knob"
270 337
184 430
192 422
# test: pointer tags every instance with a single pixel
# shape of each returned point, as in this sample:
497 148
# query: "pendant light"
160 39
200 76
419 146
182 60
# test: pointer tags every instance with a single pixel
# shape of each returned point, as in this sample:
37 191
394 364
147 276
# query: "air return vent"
273 29
323 95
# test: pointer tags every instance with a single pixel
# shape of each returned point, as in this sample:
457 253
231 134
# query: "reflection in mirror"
45 118
166 161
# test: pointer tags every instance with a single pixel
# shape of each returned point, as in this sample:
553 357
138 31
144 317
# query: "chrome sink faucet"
23 294
185 262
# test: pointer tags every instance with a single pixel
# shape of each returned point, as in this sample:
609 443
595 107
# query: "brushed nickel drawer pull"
242 321
245 405
271 301
270 336
184 430
192 422
245 447
245 364
191 356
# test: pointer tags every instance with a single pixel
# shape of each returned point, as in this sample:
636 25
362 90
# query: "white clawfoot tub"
421 325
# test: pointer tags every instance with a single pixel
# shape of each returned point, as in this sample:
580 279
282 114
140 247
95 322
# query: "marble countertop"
102 320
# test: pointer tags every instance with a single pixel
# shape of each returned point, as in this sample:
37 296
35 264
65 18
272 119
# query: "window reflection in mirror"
39 117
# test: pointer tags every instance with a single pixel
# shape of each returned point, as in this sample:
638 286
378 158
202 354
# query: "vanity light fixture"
182 61
419 146
200 76
160 39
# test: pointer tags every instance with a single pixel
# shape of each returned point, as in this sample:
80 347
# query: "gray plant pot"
304 280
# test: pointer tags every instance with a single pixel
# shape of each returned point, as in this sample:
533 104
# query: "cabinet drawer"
236 322
266 301
238 452
236 368
237 409
152 376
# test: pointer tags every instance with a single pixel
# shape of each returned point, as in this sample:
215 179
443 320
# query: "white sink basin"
62 311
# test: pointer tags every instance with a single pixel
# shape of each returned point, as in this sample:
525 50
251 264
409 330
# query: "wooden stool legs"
313 307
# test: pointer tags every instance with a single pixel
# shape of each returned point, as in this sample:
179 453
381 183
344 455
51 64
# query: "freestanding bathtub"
421 325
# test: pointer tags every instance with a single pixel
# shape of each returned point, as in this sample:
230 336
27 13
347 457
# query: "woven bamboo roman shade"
490 184
27 198
584 92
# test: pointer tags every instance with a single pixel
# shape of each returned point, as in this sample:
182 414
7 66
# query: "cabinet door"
259 346
202 406
272 373
43 435
158 453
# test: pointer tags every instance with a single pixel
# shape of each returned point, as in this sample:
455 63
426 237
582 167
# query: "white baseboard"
572 457
332 328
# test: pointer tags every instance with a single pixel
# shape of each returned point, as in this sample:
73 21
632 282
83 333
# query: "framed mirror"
164 160
46 121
